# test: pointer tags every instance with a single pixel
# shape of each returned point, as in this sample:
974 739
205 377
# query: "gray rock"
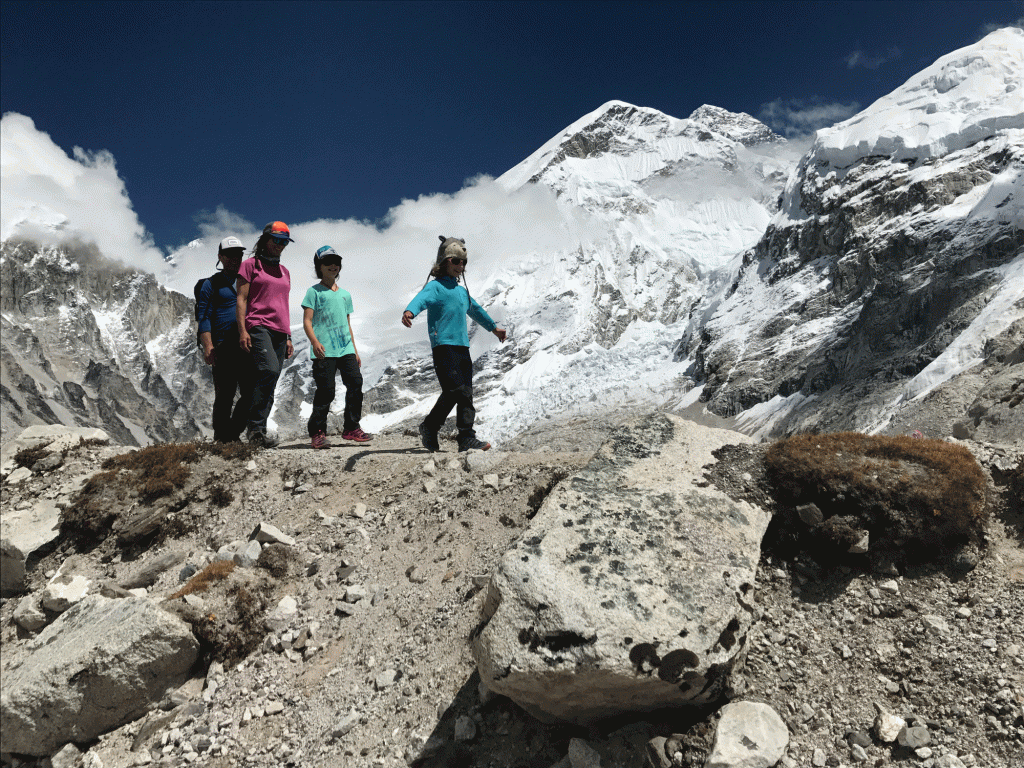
98 666
935 624
266 533
888 726
48 463
949 761
152 570
248 554
914 736
858 753
68 756
810 514
29 614
656 754
22 532
582 755
346 724
465 728
286 610
64 591
749 735
629 547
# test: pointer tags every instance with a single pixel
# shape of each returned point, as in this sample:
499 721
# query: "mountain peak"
738 126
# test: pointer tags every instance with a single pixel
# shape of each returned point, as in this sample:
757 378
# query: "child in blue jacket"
447 304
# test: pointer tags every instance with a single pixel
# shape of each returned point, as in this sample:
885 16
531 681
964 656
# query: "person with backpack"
264 330
447 304
216 302
327 321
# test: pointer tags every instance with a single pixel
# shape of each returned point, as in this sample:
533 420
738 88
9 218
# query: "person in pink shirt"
263 323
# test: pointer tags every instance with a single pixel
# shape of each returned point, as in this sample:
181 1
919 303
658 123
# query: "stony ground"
392 548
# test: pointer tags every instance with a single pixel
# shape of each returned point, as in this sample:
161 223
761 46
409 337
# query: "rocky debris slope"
89 342
334 594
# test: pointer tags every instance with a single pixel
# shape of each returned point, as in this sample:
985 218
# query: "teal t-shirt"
330 319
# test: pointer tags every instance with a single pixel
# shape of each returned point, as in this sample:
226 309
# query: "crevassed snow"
965 96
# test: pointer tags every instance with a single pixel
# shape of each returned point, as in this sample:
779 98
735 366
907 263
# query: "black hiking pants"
268 351
324 370
454 372
232 372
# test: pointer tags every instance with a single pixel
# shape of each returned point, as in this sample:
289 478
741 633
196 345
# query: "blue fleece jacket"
215 307
447 304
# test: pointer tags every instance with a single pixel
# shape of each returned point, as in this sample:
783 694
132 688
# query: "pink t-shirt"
268 295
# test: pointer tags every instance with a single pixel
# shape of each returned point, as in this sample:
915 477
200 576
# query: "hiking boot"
428 438
472 444
320 441
357 435
262 440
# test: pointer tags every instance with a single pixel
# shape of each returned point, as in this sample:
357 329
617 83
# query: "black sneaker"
263 440
472 444
429 439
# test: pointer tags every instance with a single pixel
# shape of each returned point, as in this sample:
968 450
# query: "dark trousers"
232 372
268 350
454 372
324 370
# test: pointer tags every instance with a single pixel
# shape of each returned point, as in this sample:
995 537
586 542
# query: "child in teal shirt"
326 311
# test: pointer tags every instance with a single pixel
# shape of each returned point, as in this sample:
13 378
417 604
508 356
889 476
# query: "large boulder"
99 665
22 532
632 589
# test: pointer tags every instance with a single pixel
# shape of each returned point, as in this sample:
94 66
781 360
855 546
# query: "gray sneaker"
428 438
472 444
262 440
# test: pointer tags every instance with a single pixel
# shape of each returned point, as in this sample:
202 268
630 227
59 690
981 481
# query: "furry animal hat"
451 247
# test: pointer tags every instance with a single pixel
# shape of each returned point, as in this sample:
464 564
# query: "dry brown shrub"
202 581
924 491
26 457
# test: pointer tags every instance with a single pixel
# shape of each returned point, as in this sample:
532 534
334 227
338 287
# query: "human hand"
210 355
318 350
500 333
289 349
245 340
407 319
359 360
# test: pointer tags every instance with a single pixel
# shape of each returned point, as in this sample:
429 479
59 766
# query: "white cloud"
859 58
49 197
52 198
798 118
990 27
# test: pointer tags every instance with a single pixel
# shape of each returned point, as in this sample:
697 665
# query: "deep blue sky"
299 111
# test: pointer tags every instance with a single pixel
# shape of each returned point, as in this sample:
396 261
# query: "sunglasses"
280 240
331 263
458 262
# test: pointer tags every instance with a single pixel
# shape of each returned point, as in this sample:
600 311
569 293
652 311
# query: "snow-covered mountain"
90 342
898 252
714 270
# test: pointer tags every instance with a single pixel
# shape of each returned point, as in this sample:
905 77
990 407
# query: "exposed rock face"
90 342
632 588
22 532
100 664
889 263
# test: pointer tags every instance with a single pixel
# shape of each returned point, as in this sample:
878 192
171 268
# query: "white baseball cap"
231 242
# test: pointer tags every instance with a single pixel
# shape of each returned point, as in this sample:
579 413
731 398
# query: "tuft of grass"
927 492
202 581
220 495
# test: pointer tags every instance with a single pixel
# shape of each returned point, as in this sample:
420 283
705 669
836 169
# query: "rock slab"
749 735
98 666
632 589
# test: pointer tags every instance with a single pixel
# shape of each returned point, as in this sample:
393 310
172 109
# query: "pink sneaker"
320 441
357 435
